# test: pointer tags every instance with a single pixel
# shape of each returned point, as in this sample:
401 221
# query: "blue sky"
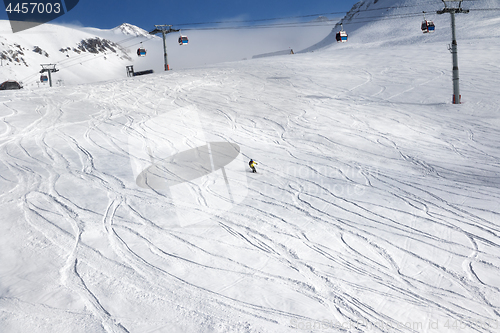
145 14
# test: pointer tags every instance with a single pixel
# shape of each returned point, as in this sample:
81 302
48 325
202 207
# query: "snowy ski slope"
375 207
392 22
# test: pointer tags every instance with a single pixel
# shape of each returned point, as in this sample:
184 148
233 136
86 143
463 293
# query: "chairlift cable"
301 16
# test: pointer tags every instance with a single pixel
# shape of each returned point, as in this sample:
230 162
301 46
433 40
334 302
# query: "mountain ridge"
68 48
129 29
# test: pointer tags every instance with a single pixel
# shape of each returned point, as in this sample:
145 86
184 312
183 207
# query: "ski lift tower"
454 51
164 29
49 68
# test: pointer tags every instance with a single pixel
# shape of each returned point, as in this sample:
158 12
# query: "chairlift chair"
141 52
44 78
183 40
341 36
427 26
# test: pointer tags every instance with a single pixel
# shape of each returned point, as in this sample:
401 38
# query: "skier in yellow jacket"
252 165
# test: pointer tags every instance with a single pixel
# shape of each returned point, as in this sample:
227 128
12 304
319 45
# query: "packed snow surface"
375 207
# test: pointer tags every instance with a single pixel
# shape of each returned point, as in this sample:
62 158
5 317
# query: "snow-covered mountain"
128 205
81 56
205 47
393 22
129 29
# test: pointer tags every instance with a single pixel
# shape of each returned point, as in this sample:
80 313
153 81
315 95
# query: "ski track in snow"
376 202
